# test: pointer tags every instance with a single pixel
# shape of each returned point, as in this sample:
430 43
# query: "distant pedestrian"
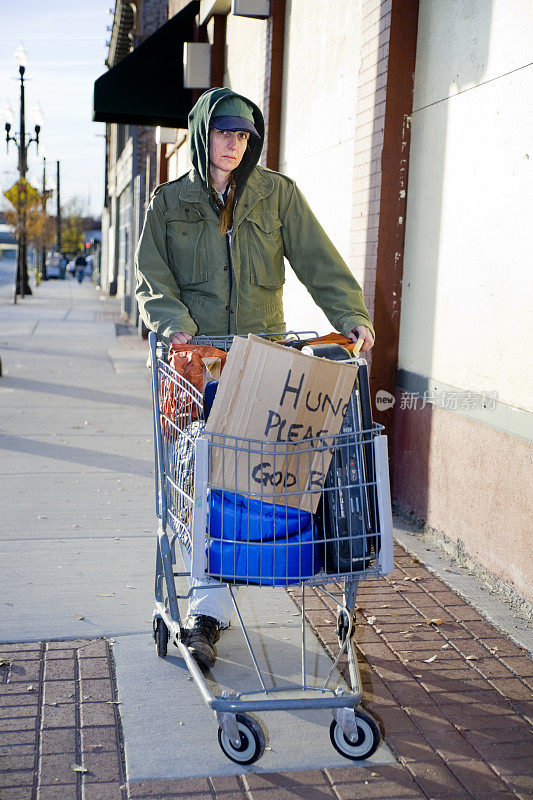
62 267
81 263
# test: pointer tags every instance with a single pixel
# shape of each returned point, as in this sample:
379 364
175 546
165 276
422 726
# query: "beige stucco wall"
246 57
468 280
473 484
322 57
321 63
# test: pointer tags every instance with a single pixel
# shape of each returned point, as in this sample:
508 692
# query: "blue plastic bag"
257 542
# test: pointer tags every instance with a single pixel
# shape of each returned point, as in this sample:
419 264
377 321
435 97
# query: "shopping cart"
259 539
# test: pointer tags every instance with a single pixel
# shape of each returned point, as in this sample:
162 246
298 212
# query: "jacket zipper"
229 234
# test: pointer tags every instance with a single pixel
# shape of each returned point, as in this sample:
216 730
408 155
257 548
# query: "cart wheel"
161 638
368 738
252 744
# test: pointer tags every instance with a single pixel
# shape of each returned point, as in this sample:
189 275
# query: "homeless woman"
210 261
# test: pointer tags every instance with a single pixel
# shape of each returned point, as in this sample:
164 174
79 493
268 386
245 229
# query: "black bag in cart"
346 514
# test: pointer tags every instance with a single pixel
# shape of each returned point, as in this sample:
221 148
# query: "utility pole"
44 276
58 216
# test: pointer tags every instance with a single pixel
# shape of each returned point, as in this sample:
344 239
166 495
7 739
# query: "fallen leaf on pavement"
371 620
95 747
41 516
429 660
471 658
78 768
79 616
437 621
106 595
31 688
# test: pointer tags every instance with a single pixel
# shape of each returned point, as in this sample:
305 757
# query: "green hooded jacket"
191 278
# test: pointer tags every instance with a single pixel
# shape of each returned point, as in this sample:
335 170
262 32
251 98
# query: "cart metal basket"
263 538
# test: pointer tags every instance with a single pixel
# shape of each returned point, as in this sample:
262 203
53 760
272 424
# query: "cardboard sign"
286 402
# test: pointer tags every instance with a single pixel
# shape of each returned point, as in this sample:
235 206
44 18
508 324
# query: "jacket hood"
199 124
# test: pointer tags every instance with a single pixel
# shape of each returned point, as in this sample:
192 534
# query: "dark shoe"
202 634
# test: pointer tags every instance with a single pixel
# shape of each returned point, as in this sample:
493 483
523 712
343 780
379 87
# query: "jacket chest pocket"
185 235
265 251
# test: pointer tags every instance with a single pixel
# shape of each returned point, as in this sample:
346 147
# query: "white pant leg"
215 602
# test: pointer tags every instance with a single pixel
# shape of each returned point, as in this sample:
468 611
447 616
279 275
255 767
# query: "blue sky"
65 43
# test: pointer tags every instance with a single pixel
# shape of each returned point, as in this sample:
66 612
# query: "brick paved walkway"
454 698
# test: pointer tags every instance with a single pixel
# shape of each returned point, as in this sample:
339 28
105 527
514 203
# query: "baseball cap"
234 114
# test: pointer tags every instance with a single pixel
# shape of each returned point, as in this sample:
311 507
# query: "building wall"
179 156
135 164
321 66
246 57
467 281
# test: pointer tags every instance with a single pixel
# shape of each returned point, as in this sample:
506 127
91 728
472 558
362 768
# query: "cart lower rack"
254 538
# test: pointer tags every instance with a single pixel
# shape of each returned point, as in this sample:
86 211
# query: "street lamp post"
23 287
44 274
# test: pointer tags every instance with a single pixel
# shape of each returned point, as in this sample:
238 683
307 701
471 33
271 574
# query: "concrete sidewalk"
78 669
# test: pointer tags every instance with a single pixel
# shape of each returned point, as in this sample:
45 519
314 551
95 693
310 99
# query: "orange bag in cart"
188 361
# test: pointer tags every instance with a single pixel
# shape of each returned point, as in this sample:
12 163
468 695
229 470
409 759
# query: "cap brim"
234 124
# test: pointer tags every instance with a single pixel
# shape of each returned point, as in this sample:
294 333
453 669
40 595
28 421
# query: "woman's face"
226 148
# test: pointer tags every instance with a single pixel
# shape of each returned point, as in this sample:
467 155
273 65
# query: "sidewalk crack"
39 727
77 701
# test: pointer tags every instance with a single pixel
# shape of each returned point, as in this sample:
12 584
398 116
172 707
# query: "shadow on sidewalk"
78 392
77 455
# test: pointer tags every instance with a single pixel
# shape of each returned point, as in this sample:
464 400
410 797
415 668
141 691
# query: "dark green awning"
146 87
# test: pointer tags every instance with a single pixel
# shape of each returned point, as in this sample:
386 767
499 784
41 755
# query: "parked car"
53 262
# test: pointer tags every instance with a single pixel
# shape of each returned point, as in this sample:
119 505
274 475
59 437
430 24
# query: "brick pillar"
382 138
393 201
275 42
218 50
